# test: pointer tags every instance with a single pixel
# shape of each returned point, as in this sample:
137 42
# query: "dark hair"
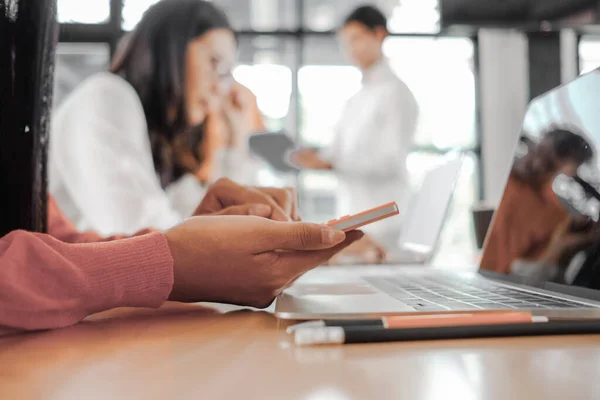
369 16
569 145
153 61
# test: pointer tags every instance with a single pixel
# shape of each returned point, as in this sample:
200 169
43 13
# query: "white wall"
569 53
504 91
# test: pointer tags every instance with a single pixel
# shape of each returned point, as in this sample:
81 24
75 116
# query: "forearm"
318 163
46 283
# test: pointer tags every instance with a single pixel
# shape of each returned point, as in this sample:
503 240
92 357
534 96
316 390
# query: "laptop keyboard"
445 293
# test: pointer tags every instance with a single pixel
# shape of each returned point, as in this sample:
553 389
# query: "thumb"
259 210
304 236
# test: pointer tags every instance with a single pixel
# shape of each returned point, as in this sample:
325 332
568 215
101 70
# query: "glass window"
133 11
83 11
257 15
260 15
74 63
589 53
266 67
439 71
404 16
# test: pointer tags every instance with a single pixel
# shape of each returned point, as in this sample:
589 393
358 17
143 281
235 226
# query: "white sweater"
100 162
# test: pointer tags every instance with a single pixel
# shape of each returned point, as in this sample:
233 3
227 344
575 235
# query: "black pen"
336 322
365 334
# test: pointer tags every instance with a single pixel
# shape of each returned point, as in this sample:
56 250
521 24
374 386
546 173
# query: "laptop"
539 255
422 227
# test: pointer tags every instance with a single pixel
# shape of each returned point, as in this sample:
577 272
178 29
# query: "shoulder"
103 103
104 86
102 94
399 88
105 96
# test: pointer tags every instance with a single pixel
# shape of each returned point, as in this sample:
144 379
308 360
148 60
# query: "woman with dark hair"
118 139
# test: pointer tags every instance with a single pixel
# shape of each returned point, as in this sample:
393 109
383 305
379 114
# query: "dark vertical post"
544 62
115 22
28 34
478 123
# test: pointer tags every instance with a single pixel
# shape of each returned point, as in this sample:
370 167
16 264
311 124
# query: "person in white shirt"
117 140
376 130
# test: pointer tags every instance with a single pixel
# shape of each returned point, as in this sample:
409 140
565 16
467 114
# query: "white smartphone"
351 222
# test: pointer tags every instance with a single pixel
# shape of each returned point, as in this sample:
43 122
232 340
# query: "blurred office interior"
472 85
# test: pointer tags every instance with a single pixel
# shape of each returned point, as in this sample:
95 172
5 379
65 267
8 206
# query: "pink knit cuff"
134 272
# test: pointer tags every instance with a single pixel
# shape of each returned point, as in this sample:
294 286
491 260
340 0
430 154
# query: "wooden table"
194 352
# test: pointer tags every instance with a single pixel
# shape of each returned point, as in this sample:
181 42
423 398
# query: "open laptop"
422 227
539 256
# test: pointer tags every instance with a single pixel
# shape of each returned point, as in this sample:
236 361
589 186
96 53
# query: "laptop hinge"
577 291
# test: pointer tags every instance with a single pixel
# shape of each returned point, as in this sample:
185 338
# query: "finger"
297 236
299 262
226 193
259 210
295 214
282 197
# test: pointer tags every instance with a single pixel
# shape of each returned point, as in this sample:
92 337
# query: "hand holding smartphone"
351 222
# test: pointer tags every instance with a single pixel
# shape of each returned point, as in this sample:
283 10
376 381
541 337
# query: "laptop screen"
547 226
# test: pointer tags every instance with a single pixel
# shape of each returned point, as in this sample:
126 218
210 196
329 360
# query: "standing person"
116 139
377 127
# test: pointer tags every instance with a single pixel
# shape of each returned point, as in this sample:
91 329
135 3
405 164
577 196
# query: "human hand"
226 197
204 173
237 110
569 238
246 260
308 158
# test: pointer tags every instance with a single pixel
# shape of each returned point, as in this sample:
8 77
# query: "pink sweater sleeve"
46 283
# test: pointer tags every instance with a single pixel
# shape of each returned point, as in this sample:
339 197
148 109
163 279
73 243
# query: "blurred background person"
376 130
123 136
530 213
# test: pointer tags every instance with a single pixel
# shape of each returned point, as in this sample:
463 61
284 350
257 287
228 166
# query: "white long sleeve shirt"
372 140
101 170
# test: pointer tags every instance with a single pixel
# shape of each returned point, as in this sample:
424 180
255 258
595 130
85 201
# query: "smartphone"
351 222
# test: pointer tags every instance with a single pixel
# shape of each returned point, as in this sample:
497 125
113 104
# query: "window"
589 53
404 16
255 15
266 65
133 11
85 12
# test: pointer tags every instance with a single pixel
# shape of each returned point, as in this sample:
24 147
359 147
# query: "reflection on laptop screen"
547 227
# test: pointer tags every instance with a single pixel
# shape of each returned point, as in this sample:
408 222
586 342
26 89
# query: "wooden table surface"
195 352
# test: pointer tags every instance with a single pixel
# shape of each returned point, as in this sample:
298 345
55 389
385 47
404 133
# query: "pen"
347 335
424 320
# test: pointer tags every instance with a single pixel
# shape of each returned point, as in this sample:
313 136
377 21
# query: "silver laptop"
422 227
542 253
